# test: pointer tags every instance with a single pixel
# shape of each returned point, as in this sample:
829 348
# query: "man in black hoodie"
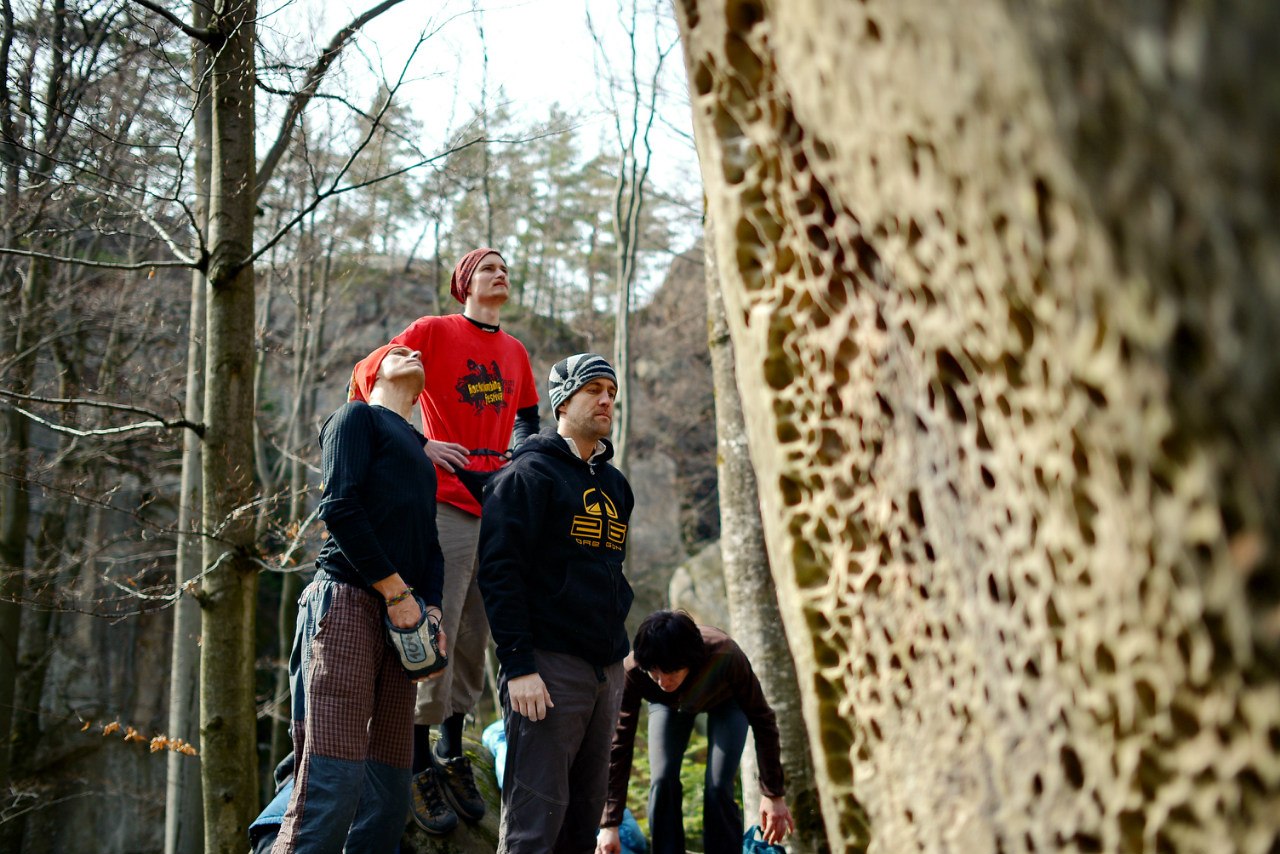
552 541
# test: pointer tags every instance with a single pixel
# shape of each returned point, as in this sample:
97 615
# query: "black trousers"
557 768
669 732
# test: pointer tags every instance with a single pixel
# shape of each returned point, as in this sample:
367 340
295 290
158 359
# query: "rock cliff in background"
697 586
1004 287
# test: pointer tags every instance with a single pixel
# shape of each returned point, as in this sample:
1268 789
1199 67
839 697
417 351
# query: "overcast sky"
540 52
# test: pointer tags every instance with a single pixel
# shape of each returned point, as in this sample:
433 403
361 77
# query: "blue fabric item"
630 836
313 603
753 844
379 830
494 738
269 820
633 841
330 808
273 813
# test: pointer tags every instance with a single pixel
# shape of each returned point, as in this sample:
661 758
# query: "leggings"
669 732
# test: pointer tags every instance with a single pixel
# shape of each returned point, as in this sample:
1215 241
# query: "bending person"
352 701
683 669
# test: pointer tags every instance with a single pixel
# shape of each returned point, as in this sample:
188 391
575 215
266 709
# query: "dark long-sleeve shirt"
724 675
379 502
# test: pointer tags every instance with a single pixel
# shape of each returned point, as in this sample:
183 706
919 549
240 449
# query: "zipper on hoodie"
604 533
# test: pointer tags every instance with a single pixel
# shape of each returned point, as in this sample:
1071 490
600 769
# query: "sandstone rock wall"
1004 286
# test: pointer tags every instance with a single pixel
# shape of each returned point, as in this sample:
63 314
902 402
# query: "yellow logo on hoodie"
599 521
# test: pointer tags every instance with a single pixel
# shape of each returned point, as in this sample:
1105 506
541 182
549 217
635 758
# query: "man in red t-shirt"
479 395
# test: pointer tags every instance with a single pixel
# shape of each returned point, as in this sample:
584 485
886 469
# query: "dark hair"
668 641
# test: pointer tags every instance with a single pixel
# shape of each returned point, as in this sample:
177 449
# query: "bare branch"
107 431
100 404
286 454
28 802
139 518
213 38
188 586
295 543
157 421
312 82
105 265
335 190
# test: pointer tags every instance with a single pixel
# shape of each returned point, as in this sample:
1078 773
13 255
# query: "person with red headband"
479 401
351 698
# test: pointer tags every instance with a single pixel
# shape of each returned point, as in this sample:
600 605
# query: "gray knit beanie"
569 375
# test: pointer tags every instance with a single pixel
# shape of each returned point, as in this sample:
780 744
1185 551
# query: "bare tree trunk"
229 595
37 636
183 833
628 200
15 513
19 301
634 156
749 587
13 500
270 477
183 819
13 546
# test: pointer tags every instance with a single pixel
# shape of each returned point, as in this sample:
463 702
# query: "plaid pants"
352 727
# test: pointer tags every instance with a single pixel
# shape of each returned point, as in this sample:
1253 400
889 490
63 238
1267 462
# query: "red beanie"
366 372
460 284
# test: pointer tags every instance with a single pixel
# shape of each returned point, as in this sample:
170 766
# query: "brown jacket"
724 675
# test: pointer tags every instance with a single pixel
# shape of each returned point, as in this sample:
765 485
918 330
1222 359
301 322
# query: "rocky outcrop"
697 586
1003 280
467 838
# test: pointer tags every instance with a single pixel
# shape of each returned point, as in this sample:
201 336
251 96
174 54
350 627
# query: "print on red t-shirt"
475 382
483 386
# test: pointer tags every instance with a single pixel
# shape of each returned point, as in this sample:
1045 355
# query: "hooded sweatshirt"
553 537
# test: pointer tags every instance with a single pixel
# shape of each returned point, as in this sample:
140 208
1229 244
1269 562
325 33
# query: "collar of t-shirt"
483 327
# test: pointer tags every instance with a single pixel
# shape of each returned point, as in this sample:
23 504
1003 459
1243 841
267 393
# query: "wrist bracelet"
400 597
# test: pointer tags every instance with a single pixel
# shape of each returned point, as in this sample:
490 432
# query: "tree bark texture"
183 819
1003 283
183 815
749 586
229 591
13 499
15 513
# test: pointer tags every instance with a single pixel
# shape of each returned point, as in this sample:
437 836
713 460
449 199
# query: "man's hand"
608 841
450 456
775 819
528 695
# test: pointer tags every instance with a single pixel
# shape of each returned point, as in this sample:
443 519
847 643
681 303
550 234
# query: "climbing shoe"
459 786
431 811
